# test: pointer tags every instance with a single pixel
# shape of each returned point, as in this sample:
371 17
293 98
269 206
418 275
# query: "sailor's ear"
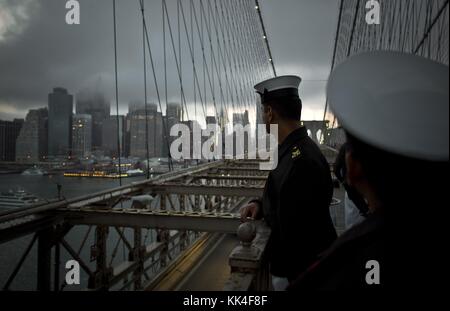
269 113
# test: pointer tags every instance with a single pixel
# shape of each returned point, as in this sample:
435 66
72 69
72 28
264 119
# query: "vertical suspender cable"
117 93
165 128
333 60
145 90
193 61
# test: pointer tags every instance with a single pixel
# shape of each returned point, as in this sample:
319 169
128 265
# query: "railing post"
249 268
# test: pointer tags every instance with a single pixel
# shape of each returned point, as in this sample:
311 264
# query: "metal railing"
200 199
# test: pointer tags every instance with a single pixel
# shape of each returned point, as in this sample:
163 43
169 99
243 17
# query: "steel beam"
238 191
20 263
11 231
134 188
220 176
137 257
239 168
203 222
103 273
44 259
57 267
124 268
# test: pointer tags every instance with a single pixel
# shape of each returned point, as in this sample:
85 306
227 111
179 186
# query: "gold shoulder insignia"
295 152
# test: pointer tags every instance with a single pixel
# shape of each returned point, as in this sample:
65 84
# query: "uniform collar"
291 139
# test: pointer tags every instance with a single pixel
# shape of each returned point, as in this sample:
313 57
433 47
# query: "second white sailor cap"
394 101
277 87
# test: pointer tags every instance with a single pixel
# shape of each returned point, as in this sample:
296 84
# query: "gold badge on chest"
295 152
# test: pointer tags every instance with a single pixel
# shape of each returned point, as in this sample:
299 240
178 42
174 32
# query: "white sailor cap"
394 101
278 87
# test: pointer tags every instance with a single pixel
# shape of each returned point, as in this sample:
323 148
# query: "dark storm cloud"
301 35
50 53
39 51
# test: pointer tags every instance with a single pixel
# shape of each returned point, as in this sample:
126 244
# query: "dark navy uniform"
345 264
403 162
296 206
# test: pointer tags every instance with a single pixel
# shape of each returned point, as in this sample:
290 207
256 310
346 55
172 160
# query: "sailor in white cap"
394 108
296 199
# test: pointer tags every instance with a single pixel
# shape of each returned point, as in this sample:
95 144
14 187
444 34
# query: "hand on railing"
251 211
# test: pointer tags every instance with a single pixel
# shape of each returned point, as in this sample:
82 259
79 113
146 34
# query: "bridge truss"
176 212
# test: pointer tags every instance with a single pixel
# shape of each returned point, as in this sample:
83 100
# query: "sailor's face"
356 178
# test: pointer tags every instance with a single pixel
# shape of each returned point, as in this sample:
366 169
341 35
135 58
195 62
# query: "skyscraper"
60 110
193 125
137 117
173 116
241 119
174 111
82 135
95 104
109 138
211 120
223 119
31 144
9 131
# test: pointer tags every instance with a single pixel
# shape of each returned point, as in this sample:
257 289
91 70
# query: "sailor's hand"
250 211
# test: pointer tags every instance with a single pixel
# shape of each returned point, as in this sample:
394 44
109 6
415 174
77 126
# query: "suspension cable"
147 147
165 129
117 93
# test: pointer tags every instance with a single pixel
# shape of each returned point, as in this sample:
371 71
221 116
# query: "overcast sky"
39 51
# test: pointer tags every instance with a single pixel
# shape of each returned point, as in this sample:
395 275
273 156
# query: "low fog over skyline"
39 51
